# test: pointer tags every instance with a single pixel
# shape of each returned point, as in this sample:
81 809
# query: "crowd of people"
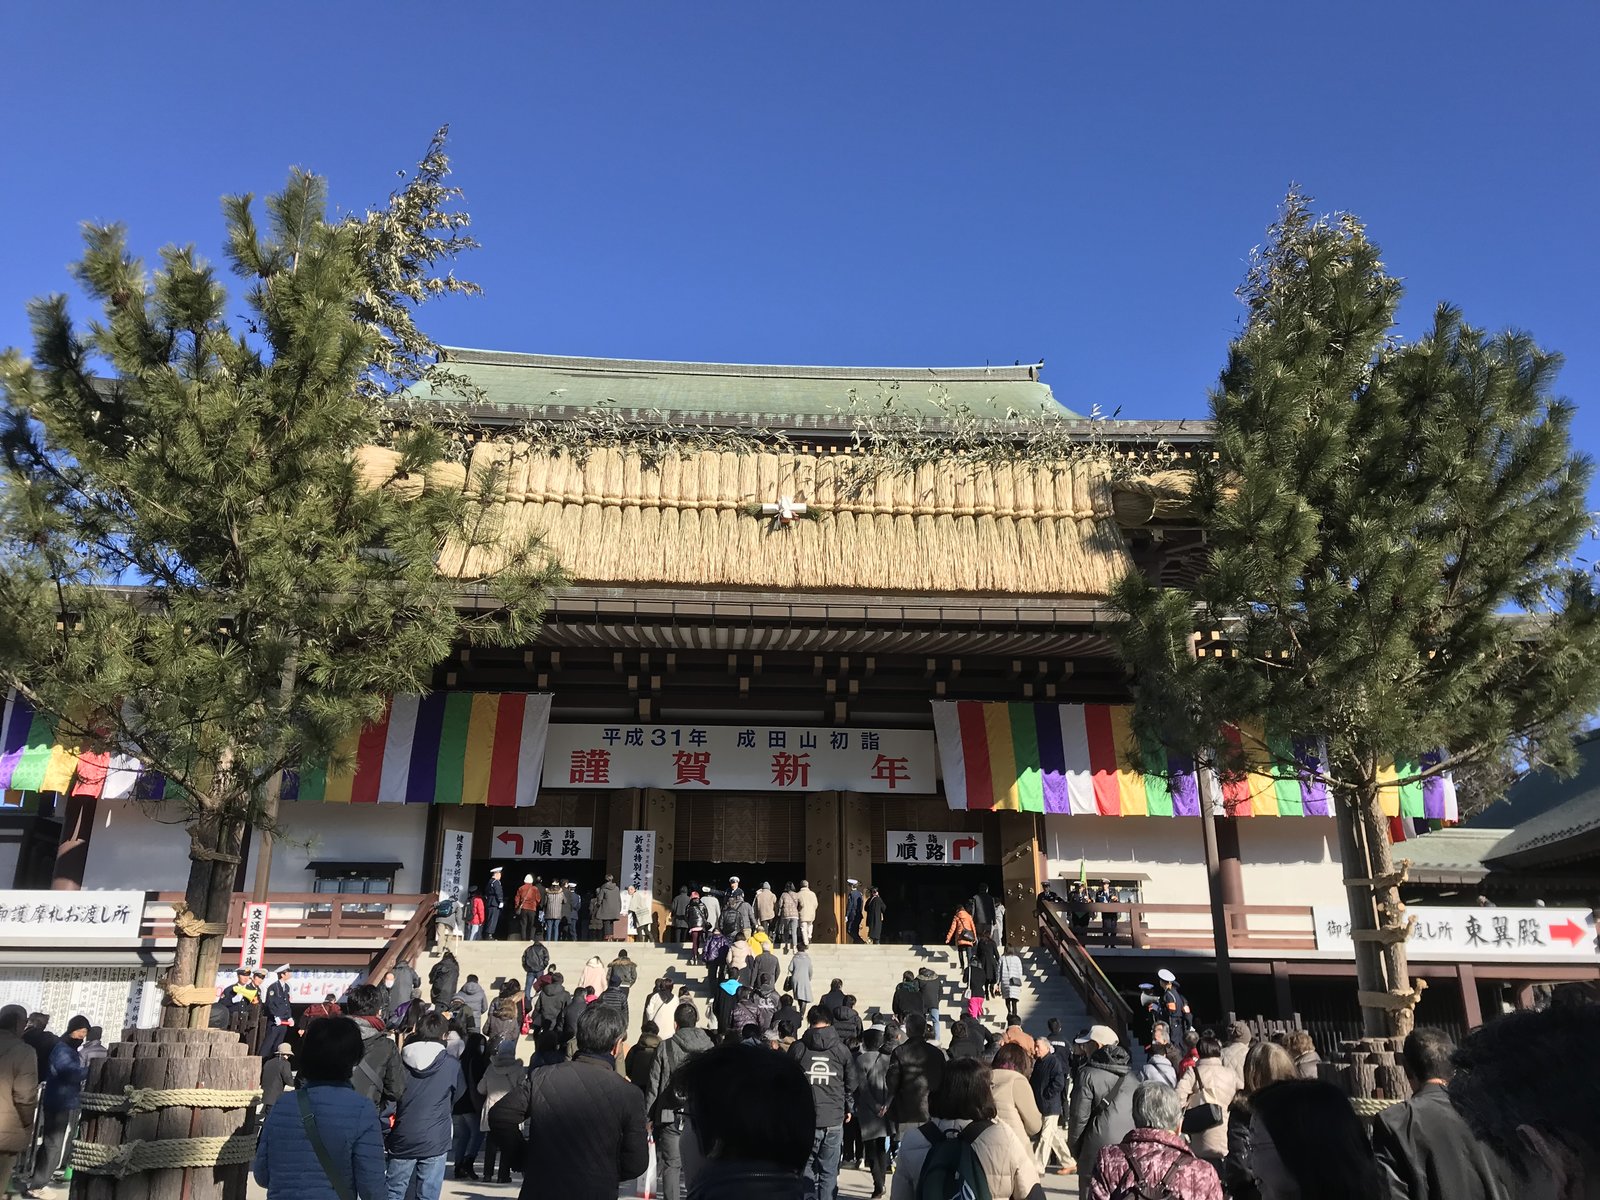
41 1084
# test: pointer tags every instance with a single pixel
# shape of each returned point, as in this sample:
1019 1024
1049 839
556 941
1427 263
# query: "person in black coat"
1424 1149
967 1040
586 1122
988 955
915 1069
847 1021
445 978
875 911
277 1074
494 903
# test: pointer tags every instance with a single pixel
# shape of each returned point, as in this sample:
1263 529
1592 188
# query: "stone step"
870 973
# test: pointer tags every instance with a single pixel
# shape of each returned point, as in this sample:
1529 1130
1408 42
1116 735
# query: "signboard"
745 758
1478 934
930 848
253 942
455 862
309 987
115 998
68 917
539 841
639 859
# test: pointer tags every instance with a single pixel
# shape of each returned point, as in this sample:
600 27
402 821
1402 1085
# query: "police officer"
279 1012
1174 1008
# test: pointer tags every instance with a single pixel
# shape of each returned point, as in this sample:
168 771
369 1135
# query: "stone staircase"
870 973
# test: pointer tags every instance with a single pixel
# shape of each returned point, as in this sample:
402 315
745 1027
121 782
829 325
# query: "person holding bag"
1205 1094
325 1143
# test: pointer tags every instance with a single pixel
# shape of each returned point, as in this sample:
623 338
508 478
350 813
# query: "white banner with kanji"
931 848
1478 934
253 939
743 758
543 841
639 859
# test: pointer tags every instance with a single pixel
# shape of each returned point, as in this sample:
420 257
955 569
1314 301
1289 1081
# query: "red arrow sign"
955 847
514 840
1568 931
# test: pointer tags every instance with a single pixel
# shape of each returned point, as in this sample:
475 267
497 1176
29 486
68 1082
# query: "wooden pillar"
1281 994
1019 874
1230 878
825 863
1209 793
72 853
622 811
1471 1010
855 828
661 815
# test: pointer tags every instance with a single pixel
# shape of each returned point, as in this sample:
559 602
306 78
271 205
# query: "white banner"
932 848
454 863
253 942
639 859
68 917
1478 934
746 758
308 987
538 841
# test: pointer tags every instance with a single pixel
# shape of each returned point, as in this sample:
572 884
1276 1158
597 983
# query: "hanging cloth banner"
442 748
1076 759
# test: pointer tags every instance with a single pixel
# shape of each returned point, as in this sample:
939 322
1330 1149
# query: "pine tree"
1391 532
193 569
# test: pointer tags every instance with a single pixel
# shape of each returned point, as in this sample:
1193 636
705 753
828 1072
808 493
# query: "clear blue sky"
865 183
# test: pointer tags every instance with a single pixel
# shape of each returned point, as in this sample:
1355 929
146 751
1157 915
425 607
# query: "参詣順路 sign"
66 917
1472 934
926 848
543 841
746 758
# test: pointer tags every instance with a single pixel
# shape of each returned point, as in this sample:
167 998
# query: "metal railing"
1097 991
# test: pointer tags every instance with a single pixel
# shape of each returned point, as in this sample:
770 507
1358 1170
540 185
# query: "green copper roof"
529 381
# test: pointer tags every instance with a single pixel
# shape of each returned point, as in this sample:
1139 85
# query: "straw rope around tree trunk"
166 1154
134 1099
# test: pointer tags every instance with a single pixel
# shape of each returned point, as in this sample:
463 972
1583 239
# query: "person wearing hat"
277 1075
1174 1008
1106 894
241 993
855 907
1102 1100
494 902
59 1100
528 900
279 1011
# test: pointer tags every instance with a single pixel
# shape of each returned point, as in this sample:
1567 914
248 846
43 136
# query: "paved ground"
853 1185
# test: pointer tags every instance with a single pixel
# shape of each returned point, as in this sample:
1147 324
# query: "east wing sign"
1478 934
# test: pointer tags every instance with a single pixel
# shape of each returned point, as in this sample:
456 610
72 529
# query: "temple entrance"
920 901
751 875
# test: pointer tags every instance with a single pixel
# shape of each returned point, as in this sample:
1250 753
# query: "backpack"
951 1171
715 949
732 924
445 908
1137 1187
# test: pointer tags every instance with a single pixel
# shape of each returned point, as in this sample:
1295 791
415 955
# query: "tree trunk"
1397 1022
1370 967
214 848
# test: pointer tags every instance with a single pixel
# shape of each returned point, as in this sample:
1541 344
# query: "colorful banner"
442 748
1077 759
743 758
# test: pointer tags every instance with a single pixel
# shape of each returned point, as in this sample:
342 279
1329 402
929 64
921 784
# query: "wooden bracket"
1388 936
1393 1001
1393 879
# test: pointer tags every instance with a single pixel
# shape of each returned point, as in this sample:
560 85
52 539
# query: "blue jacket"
434 1083
63 1089
287 1166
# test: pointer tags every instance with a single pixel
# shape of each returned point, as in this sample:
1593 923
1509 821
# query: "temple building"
784 653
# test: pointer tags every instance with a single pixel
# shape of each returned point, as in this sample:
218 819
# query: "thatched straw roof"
1005 529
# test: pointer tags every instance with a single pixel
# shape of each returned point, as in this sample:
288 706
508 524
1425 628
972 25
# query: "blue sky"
868 183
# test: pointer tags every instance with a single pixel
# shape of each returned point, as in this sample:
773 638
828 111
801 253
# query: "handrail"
406 945
1097 991
324 916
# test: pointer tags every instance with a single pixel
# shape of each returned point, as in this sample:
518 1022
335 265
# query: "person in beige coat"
965 1094
806 901
1014 1103
1210 1081
19 1089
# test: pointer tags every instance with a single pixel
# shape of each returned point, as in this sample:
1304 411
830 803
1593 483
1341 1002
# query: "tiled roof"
527 381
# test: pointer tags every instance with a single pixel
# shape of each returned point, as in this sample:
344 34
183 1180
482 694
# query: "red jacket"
475 915
1154 1151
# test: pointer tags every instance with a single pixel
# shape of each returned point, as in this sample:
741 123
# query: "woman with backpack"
962 1147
